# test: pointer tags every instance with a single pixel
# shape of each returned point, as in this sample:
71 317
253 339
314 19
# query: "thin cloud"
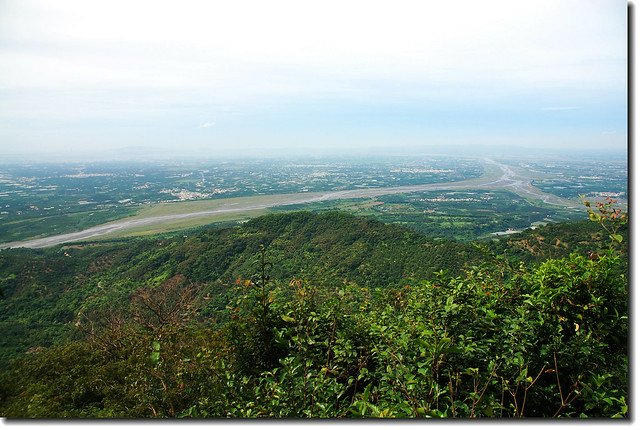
73 77
555 108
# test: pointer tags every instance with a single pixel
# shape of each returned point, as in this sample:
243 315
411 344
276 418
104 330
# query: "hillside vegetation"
319 315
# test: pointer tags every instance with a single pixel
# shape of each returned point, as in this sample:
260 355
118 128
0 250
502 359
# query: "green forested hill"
554 241
45 288
338 283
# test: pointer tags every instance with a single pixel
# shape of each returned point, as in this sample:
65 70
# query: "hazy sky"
297 76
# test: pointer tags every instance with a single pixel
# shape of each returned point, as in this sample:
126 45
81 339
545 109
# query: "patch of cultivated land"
185 223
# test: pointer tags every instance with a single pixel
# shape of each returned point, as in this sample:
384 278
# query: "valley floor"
175 216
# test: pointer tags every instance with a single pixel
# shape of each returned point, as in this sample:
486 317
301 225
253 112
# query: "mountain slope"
46 289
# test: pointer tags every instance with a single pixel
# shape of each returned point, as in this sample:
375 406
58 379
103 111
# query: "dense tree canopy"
325 315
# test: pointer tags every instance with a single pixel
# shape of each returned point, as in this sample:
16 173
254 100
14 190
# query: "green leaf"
616 237
287 318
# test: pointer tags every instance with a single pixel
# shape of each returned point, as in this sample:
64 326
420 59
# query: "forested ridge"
319 315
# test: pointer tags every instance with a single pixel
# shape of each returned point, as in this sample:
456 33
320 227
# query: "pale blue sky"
295 77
